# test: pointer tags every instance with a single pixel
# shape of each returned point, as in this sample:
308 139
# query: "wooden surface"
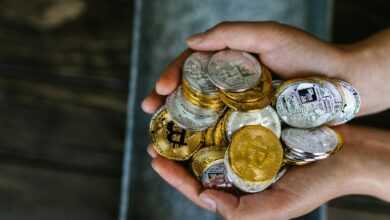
63 93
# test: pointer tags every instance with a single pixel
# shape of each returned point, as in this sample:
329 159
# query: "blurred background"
64 76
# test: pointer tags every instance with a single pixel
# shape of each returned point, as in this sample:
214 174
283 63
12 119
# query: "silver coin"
352 104
322 140
266 117
234 71
188 115
215 176
276 83
195 73
305 104
280 174
337 96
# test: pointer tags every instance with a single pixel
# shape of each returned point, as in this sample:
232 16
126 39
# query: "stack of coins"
196 86
195 105
208 166
303 146
220 119
245 85
314 101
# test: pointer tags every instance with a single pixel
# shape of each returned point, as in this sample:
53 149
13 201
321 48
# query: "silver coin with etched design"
317 141
351 103
336 93
195 73
234 71
266 117
215 176
188 115
304 103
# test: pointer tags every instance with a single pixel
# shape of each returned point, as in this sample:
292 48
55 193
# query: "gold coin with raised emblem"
171 141
205 157
255 153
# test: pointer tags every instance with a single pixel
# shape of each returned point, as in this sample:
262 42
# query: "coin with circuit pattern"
304 103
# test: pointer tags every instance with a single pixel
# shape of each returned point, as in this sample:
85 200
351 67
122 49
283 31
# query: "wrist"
364 163
364 66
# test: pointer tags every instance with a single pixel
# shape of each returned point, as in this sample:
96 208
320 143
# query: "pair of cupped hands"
361 167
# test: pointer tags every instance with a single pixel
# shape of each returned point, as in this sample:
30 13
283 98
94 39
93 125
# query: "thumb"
221 202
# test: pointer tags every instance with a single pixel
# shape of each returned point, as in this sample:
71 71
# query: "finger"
248 36
152 102
220 202
152 153
176 176
170 79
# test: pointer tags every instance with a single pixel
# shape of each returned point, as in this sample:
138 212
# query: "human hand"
361 167
290 52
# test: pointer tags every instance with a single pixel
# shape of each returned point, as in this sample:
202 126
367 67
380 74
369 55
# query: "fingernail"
143 105
151 152
195 39
208 201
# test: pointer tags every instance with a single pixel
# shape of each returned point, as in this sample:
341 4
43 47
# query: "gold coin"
171 141
205 158
255 154
220 132
264 89
187 87
204 101
209 136
247 106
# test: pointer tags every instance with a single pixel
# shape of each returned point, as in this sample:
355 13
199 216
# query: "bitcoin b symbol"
176 138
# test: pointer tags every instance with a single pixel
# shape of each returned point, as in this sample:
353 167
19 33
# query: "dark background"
63 91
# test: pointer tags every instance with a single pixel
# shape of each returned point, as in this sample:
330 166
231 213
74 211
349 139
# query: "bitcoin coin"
267 117
250 187
171 141
351 103
188 115
195 73
208 166
253 158
304 103
234 71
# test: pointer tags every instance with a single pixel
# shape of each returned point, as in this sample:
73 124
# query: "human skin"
362 167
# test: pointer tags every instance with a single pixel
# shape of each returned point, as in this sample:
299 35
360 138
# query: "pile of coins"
222 121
